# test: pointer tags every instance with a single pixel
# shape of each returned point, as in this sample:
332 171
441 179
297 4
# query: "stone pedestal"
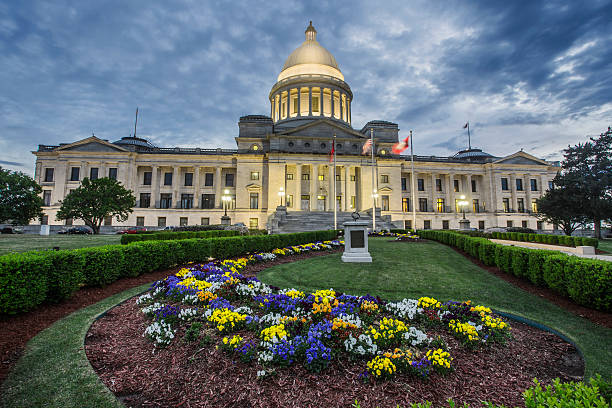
44 230
226 220
356 242
464 224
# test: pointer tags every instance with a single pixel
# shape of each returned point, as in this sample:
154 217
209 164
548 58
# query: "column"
309 101
314 182
83 174
451 191
299 100
527 186
134 177
331 102
154 187
102 170
197 187
346 196
218 187
512 180
330 188
468 193
297 199
176 199
432 195
321 101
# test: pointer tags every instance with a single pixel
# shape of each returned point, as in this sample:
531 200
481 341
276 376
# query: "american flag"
367 146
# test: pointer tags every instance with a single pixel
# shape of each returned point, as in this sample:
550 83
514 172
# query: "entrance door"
305 203
320 203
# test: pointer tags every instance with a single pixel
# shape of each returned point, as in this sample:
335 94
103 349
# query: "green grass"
412 270
605 245
32 242
54 370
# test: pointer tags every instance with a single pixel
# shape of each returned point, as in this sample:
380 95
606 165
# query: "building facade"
286 157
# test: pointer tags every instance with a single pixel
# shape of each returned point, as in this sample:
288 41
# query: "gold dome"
310 58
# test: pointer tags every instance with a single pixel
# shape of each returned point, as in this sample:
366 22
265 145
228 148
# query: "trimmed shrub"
589 282
553 273
101 265
486 252
65 274
23 279
535 266
519 259
170 235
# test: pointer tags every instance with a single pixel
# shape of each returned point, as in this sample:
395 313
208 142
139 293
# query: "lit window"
254 175
384 178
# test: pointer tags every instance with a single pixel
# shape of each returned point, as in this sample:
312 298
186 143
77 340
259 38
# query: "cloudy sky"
532 75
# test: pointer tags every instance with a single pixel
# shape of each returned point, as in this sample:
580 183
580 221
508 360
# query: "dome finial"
311 33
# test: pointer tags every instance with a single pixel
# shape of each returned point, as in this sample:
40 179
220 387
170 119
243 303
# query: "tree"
562 206
95 200
20 199
588 167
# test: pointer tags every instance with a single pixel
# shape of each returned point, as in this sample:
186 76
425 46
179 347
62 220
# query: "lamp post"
464 224
225 220
374 196
281 194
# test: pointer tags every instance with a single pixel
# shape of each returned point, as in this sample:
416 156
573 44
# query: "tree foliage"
20 199
96 199
562 206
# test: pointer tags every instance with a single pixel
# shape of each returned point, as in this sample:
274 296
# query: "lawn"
411 270
605 245
32 242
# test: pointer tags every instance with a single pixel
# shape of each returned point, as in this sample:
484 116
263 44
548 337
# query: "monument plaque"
356 241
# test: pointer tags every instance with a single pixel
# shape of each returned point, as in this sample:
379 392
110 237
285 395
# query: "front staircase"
283 221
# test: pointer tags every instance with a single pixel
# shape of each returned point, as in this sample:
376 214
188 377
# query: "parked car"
81 229
11 230
132 230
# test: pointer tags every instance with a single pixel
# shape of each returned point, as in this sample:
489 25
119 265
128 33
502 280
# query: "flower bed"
272 328
399 236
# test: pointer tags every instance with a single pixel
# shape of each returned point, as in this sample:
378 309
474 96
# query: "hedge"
564 240
30 278
587 282
168 235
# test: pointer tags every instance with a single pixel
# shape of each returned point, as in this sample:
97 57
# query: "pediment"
385 190
92 144
253 187
323 128
521 158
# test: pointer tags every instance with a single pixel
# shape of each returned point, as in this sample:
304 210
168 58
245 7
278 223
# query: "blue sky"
526 74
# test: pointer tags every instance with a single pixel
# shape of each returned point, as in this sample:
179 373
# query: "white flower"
187 314
406 308
144 298
160 333
416 337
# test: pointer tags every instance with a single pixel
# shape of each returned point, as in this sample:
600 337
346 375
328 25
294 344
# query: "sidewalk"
564 249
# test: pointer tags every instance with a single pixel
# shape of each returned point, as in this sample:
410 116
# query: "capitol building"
279 176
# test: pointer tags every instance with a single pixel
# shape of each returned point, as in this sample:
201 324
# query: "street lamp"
226 198
374 196
462 204
281 194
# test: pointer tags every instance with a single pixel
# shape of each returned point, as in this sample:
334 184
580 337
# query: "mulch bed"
16 331
189 375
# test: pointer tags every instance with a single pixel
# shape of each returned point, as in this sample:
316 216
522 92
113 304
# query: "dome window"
323 145
255 148
383 152
306 144
338 146
290 144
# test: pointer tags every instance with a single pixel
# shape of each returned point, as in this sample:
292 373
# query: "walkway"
564 249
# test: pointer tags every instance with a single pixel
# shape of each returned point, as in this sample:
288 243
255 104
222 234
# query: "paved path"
564 249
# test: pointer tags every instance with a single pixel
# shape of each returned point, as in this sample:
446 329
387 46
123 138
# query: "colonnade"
311 101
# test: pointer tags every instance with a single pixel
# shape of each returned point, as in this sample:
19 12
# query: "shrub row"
169 235
564 240
586 281
31 278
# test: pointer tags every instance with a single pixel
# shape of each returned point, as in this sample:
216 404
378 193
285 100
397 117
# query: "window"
289 176
112 173
315 104
504 184
427 224
475 206
509 223
550 185
147 178
68 221
254 201
229 180
353 202
384 178
338 178
481 225
140 221
421 184
108 220
473 186
49 175
188 179
321 177
289 201
555 227
208 179
540 225
440 205
208 201
506 202
204 221
445 224
47 197
161 221
44 220
408 224
403 183
353 178
534 185
183 221
187 201
438 185
93 173
295 105
165 200
520 205
167 179
145 200
305 176
405 204
524 223
253 223
456 185
74 173
519 184
254 175
422 204
385 203
306 145
534 205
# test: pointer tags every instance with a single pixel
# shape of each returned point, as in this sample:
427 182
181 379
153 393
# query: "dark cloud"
10 163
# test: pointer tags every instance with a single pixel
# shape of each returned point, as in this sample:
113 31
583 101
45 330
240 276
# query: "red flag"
367 146
333 150
400 146
466 125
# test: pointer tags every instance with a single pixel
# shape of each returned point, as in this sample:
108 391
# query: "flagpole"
412 182
374 192
334 181
136 122
469 137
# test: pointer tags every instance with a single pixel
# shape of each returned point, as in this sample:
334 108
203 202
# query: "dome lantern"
311 33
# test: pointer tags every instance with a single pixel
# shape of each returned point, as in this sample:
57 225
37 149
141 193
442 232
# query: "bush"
535 266
553 273
589 282
65 275
23 279
169 235
569 394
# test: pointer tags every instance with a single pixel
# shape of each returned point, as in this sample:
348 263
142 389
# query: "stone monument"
356 241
